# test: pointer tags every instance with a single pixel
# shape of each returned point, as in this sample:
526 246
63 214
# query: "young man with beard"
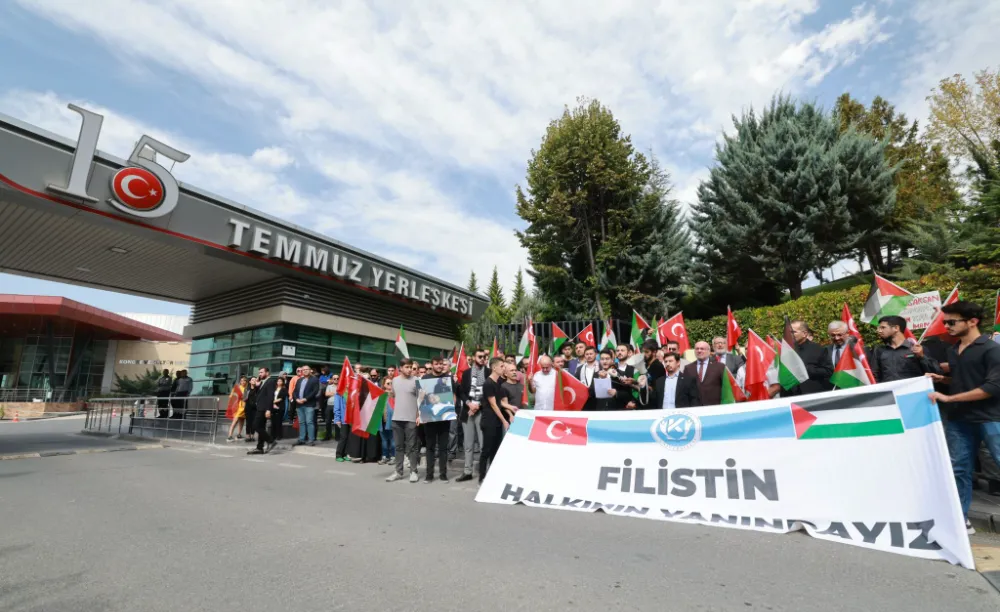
265 403
897 359
586 374
674 389
605 369
436 432
623 379
470 389
579 353
494 421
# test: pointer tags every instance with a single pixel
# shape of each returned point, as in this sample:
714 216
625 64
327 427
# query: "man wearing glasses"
973 404
897 359
470 389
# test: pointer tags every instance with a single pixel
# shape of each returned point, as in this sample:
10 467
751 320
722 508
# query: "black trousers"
276 426
342 436
250 412
328 417
492 436
436 434
260 426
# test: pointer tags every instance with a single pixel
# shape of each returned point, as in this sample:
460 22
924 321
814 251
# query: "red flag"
733 331
559 430
587 335
346 374
996 313
529 372
774 344
355 402
496 349
846 317
461 363
731 390
571 394
235 397
352 409
760 356
859 352
937 328
674 329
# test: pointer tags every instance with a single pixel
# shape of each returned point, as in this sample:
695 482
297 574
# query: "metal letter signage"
142 189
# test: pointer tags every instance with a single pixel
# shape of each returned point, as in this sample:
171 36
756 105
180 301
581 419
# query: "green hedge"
978 284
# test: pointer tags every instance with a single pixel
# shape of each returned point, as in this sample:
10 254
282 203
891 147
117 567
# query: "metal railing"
179 418
45 394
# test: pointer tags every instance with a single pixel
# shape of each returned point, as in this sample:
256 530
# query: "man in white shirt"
543 384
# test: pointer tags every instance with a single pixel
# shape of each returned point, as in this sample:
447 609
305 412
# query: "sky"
403 128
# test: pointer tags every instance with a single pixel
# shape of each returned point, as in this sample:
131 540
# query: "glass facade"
217 361
31 368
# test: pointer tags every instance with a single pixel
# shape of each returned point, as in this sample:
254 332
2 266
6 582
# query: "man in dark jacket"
304 398
470 391
708 372
265 402
816 359
674 389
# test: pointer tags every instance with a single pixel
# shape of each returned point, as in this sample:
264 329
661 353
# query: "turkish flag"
352 409
571 394
848 319
937 328
759 359
587 335
733 331
674 329
346 374
559 430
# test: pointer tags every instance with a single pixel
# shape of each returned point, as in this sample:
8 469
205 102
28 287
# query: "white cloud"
389 100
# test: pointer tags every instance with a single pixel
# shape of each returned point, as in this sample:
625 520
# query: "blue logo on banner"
677 431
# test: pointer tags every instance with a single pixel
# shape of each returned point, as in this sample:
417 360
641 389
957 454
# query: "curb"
985 521
82 451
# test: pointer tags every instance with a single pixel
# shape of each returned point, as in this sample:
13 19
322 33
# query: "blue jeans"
307 419
388 448
963 446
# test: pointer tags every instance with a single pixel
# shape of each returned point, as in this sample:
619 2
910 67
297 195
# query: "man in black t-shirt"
513 391
494 422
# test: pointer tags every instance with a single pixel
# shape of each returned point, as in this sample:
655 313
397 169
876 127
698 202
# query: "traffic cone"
114 413
17 417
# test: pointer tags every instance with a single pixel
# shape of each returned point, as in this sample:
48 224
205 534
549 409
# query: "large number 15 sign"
143 189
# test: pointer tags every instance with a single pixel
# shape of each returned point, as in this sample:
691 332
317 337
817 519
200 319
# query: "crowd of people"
965 369
172 393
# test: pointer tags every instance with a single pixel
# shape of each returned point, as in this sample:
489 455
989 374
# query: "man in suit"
816 358
708 372
304 399
265 402
674 389
731 359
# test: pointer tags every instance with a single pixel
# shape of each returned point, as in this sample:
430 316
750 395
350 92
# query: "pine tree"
473 283
781 195
495 292
594 206
518 293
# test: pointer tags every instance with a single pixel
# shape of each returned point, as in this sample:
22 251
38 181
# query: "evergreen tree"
518 293
473 283
783 195
497 302
595 207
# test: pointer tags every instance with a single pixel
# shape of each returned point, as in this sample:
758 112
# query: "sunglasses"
951 322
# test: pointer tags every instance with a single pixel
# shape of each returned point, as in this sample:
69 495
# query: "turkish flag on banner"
559 430
571 394
587 335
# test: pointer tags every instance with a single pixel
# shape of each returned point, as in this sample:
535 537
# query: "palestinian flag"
937 328
791 369
996 313
559 338
733 331
850 371
731 392
847 416
571 394
638 326
401 343
373 406
885 298
608 340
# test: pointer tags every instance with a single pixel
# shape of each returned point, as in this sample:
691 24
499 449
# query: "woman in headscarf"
364 449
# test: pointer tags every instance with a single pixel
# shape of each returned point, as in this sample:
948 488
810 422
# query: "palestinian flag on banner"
638 326
559 338
791 369
850 371
608 340
937 328
373 404
571 394
731 392
884 298
847 416
524 346
401 343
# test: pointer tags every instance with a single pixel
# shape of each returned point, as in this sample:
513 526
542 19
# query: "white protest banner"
866 466
921 310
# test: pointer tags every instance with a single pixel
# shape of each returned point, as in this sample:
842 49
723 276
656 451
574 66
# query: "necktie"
836 356
701 370
718 358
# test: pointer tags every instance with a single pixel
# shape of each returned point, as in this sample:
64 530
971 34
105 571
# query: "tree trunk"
593 265
888 258
795 288
874 253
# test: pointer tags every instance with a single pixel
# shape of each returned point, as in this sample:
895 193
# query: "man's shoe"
395 476
312 443
270 446
298 443
443 478
464 478
255 451
414 477
969 528
428 480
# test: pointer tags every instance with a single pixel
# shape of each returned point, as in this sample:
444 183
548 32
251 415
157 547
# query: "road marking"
186 450
255 460
339 473
291 465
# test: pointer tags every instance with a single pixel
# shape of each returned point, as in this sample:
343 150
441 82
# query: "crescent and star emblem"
550 430
126 187
673 330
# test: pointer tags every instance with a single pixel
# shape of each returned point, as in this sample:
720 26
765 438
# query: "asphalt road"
50 435
210 529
